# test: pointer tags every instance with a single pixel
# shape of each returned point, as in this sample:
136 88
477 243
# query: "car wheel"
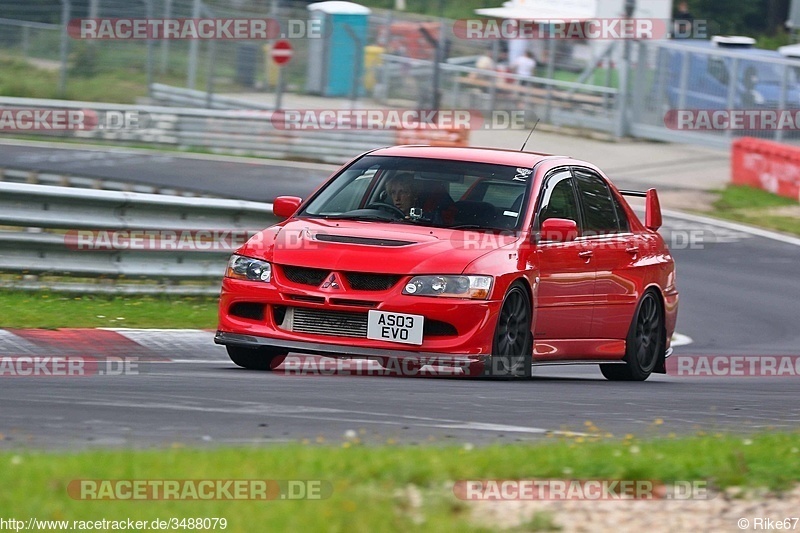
256 358
513 342
644 345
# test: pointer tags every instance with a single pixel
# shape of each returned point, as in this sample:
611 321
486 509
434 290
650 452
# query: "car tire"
256 358
512 346
644 344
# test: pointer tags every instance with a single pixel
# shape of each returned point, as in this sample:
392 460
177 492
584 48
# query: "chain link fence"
575 83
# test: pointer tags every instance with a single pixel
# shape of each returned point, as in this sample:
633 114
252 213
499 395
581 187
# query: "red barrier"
767 165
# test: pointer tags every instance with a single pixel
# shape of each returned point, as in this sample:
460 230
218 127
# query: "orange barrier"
433 137
767 165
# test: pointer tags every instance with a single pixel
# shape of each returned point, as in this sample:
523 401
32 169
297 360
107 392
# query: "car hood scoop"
352 239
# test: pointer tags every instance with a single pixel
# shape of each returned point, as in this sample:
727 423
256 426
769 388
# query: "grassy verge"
374 487
56 310
120 84
18 78
758 208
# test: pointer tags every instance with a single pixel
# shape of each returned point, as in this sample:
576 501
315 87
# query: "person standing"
682 22
524 65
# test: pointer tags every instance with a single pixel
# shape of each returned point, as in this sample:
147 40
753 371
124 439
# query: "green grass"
117 83
371 483
45 309
755 206
17 78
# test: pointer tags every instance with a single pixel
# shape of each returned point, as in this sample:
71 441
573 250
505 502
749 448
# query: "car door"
606 232
566 273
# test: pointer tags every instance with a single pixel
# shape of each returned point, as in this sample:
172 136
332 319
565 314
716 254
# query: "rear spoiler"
652 210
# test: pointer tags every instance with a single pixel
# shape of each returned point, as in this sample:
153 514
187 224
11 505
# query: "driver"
401 192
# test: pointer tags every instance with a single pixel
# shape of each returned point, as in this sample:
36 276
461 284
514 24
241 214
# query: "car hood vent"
350 239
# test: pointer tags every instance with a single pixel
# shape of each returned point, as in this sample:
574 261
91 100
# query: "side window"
624 227
558 198
599 212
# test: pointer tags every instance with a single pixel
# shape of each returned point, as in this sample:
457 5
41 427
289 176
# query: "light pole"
622 90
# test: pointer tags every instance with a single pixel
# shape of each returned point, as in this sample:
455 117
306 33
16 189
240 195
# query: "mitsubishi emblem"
331 282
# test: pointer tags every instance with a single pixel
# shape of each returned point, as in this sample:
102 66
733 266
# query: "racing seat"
435 200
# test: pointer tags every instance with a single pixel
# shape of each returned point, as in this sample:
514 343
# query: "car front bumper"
473 320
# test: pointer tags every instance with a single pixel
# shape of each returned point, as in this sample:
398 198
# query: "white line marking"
201 361
157 330
481 426
733 226
304 412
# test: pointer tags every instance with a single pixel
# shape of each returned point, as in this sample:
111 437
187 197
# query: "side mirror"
285 206
559 230
652 210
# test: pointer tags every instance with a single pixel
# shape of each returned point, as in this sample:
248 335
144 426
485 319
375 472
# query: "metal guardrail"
180 97
238 132
40 222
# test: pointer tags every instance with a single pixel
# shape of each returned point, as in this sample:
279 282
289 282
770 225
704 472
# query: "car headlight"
241 267
476 287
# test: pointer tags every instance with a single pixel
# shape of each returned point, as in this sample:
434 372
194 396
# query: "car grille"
344 323
304 275
323 322
250 310
437 328
371 282
360 281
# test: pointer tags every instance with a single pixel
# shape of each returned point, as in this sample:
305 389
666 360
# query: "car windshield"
429 192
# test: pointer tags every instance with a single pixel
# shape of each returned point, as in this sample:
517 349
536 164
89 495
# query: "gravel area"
721 513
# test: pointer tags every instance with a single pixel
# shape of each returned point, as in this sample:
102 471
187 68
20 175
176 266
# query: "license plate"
395 327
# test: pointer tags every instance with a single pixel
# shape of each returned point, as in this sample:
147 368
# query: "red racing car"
491 258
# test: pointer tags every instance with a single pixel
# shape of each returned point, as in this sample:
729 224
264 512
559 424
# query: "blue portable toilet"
335 59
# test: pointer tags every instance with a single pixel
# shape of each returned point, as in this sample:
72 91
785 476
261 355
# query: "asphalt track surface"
246 179
739 296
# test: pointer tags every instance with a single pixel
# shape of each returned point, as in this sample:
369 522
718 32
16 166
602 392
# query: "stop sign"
281 52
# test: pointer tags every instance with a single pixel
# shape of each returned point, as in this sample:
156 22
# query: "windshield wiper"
469 226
